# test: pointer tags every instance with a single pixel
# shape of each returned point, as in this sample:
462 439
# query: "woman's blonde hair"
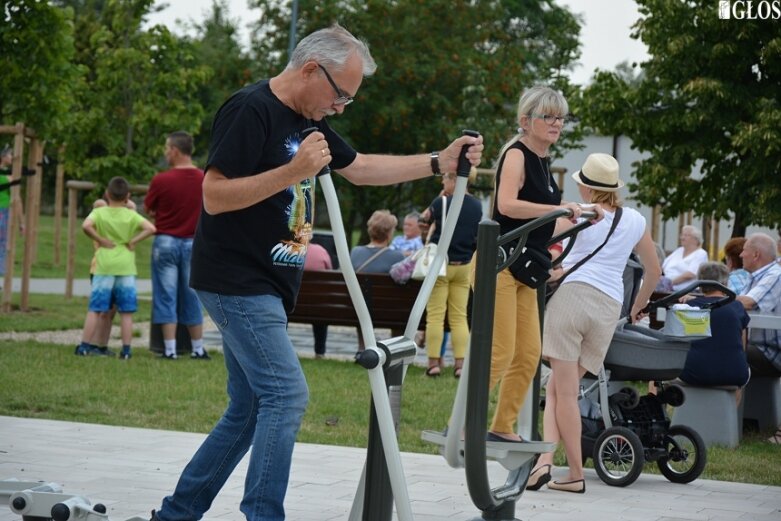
381 225
606 198
536 100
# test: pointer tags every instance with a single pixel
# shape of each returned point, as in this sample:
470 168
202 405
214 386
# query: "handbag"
424 257
401 271
532 267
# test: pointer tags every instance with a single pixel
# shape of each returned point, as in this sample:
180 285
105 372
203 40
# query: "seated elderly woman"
720 359
377 257
680 266
739 278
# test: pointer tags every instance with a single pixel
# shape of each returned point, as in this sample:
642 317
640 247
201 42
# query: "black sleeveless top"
536 189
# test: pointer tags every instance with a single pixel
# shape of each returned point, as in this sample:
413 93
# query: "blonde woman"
525 190
582 314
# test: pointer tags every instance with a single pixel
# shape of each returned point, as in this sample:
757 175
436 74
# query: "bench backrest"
323 299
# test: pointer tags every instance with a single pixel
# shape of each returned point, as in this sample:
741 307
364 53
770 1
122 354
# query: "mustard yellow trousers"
451 295
516 348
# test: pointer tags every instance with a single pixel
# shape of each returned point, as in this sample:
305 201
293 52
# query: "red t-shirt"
176 196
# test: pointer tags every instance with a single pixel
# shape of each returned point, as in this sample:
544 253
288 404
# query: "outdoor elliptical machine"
470 407
382 479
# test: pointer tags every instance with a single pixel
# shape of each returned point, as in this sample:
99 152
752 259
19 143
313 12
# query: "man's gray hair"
331 48
764 244
713 271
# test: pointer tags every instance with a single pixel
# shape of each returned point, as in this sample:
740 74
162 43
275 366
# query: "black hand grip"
464 166
304 133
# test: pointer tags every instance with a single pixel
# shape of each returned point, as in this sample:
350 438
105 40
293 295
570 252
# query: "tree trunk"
739 225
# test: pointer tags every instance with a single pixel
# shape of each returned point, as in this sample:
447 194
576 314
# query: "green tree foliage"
141 85
443 65
38 75
216 45
709 96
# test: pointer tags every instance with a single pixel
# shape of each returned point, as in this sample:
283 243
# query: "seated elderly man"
763 294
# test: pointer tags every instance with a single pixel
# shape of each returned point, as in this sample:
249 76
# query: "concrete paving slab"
130 470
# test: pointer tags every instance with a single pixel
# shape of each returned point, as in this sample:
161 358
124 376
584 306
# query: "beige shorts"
579 324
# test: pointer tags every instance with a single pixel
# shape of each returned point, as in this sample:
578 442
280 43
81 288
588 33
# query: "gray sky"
605 40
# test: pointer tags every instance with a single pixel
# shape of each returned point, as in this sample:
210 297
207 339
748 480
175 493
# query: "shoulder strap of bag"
616 218
434 224
369 260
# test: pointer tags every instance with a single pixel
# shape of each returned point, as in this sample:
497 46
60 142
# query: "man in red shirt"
174 201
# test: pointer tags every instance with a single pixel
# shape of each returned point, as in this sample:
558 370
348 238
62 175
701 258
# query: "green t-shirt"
119 225
5 193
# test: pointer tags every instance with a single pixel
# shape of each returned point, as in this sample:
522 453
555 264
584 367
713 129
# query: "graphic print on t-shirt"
291 252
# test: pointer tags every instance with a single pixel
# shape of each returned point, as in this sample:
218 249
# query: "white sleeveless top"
605 270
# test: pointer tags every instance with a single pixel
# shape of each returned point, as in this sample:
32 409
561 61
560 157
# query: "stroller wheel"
618 456
672 395
686 455
627 397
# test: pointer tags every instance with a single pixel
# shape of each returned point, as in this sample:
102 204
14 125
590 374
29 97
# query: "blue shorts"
173 300
108 290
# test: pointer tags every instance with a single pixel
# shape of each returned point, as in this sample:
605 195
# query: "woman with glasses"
525 190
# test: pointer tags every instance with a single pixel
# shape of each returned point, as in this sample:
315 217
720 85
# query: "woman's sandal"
538 477
457 372
578 486
775 439
433 371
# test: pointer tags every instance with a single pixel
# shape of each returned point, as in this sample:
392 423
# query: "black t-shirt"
464 240
259 250
539 186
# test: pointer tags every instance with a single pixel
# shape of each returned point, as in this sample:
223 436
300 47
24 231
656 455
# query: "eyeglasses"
341 97
550 119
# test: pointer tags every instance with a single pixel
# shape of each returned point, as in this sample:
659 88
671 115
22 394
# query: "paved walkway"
130 470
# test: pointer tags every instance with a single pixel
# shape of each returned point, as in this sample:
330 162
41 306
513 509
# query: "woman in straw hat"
582 314
525 190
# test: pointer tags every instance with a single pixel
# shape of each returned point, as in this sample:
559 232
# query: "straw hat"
599 172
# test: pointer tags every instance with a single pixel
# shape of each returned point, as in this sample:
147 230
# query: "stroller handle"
728 297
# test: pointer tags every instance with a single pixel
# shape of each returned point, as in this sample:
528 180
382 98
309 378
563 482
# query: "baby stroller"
622 430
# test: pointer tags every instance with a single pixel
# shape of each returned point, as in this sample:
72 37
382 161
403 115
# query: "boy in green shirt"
117 230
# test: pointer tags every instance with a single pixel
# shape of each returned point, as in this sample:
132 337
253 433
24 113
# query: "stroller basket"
640 353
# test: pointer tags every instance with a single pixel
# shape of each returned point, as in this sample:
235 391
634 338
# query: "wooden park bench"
323 299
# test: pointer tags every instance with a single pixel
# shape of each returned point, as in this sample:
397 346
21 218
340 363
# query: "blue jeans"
174 301
267 398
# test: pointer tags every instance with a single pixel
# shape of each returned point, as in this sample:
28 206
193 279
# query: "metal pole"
292 38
